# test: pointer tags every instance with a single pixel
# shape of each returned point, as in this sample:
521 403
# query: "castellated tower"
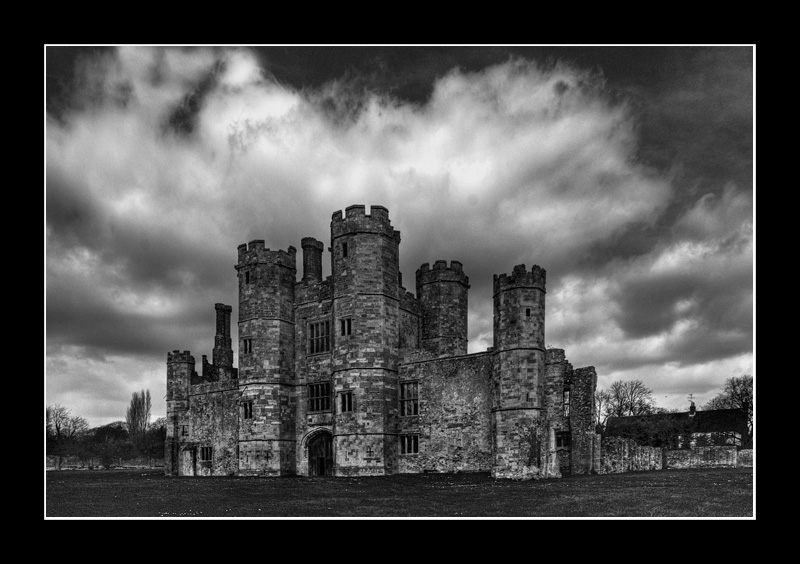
266 440
365 317
442 291
520 435
180 370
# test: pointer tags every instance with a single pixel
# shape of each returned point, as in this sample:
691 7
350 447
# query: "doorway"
320 455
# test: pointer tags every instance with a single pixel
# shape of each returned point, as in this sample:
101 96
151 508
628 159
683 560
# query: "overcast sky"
625 172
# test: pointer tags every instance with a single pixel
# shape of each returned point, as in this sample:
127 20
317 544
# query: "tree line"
632 398
69 435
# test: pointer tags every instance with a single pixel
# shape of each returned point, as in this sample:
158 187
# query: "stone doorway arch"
320 454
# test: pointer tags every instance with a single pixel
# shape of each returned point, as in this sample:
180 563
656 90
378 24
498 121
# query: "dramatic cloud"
167 159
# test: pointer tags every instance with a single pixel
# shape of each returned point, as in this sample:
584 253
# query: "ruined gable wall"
213 421
453 424
558 375
581 419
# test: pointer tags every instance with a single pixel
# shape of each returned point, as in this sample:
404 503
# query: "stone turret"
266 358
180 371
365 265
518 374
442 292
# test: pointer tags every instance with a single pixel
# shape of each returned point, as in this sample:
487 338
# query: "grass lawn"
724 492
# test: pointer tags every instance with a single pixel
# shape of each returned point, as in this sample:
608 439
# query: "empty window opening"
563 438
344 250
346 402
346 326
184 430
409 444
247 410
205 454
247 345
319 337
246 277
527 312
566 403
409 398
319 397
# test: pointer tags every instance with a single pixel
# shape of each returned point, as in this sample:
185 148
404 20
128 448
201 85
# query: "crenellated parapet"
521 278
441 272
356 220
180 356
255 253
409 303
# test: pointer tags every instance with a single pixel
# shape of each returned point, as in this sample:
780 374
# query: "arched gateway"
320 454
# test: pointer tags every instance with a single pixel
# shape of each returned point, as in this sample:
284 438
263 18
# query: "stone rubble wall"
702 457
625 455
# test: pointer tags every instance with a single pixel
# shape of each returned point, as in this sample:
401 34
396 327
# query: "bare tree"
602 403
138 415
629 397
737 394
62 430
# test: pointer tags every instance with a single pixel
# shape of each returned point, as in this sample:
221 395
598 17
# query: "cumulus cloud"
173 157
672 316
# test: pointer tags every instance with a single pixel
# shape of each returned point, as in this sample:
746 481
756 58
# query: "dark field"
724 492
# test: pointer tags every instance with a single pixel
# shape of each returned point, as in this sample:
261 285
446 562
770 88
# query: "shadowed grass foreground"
726 492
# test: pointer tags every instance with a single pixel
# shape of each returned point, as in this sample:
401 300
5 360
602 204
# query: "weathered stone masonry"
355 375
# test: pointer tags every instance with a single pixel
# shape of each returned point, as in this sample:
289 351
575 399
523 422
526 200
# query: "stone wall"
745 458
625 455
410 324
453 424
701 457
213 422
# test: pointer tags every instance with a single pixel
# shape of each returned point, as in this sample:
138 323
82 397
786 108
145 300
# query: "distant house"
683 430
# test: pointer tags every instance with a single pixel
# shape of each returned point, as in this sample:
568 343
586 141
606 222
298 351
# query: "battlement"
254 252
356 220
311 243
409 303
441 272
521 278
178 356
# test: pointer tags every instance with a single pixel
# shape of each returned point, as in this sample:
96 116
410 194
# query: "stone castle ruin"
353 375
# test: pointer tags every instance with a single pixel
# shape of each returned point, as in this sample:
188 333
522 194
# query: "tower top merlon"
223 307
255 253
356 220
441 272
521 278
310 242
178 356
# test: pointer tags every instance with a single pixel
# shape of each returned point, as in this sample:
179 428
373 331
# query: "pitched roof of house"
713 421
